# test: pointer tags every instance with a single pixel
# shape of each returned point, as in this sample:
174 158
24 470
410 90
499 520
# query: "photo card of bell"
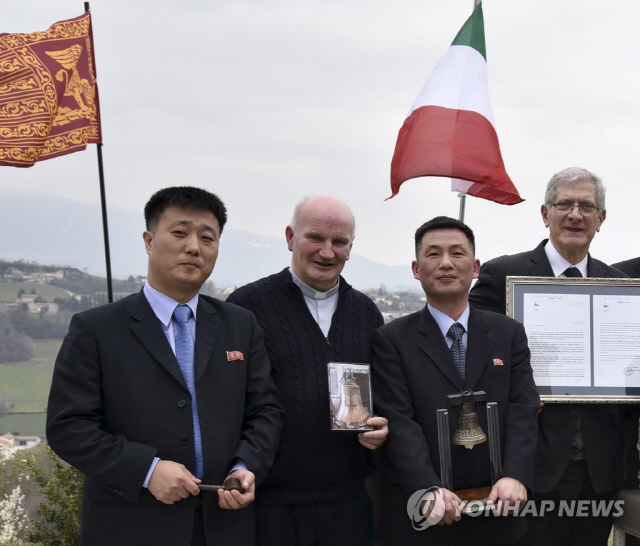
350 395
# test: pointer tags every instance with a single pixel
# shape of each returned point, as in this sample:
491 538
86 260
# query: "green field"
26 385
9 291
26 424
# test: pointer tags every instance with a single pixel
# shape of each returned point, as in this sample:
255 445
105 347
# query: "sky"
264 102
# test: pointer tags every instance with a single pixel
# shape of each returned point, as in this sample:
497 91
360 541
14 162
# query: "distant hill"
52 230
9 291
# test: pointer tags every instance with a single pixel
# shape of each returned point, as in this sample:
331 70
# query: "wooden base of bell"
473 494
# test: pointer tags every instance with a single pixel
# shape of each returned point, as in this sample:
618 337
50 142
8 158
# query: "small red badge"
497 362
234 355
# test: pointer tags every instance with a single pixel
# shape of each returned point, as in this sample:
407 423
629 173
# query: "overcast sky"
263 102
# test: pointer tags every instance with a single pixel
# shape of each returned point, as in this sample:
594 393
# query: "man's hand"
171 482
234 500
373 439
508 494
442 507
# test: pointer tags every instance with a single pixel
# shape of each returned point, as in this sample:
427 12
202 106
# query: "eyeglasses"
586 209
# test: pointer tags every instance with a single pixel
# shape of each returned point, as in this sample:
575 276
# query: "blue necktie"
457 348
185 351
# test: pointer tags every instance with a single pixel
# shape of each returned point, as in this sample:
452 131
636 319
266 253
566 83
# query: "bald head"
320 237
324 205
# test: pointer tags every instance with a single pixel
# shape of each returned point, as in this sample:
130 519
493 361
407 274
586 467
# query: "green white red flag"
450 130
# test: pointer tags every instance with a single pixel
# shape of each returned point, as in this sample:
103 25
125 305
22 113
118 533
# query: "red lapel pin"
234 355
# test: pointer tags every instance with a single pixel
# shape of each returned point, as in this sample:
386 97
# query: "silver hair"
573 175
300 204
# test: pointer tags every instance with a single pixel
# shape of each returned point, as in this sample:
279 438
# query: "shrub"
56 521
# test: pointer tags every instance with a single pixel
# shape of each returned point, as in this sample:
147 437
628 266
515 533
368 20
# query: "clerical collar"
312 292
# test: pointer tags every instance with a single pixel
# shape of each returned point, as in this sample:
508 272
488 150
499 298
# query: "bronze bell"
350 410
468 433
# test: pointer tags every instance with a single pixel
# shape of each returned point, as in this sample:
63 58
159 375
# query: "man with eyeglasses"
580 446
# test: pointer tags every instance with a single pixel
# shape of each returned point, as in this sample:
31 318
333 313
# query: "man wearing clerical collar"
311 316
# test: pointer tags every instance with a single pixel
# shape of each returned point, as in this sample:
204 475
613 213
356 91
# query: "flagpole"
105 227
463 196
103 203
463 201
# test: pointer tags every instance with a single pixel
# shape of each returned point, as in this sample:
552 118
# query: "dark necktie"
578 451
457 348
185 351
572 272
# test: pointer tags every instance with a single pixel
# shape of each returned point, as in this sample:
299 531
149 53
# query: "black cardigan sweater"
313 463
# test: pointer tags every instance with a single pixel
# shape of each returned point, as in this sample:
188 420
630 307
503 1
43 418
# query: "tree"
14 346
12 517
44 328
6 406
57 518
208 288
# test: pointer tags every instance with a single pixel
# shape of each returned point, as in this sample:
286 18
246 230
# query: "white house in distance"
10 443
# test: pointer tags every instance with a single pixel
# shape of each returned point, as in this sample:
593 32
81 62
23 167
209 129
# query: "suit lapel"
596 268
435 347
539 265
479 347
148 330
207 330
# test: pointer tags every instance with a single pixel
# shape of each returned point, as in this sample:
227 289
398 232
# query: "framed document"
350 396
584 336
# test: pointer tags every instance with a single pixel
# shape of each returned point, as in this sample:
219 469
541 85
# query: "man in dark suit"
630 267
165 390
416 364
580 446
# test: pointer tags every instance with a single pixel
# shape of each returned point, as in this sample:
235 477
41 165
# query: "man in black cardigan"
315 493
580 446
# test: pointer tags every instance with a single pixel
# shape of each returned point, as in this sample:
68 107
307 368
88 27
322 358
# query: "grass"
27 384
9 291
31 424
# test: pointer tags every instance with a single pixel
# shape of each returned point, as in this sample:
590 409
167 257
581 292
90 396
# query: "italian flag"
450 130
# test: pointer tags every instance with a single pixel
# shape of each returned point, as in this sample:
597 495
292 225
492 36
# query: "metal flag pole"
105 227
103 203
463 196
463 201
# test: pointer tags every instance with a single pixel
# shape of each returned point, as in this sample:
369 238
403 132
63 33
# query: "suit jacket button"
182 403
184 440
572 413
